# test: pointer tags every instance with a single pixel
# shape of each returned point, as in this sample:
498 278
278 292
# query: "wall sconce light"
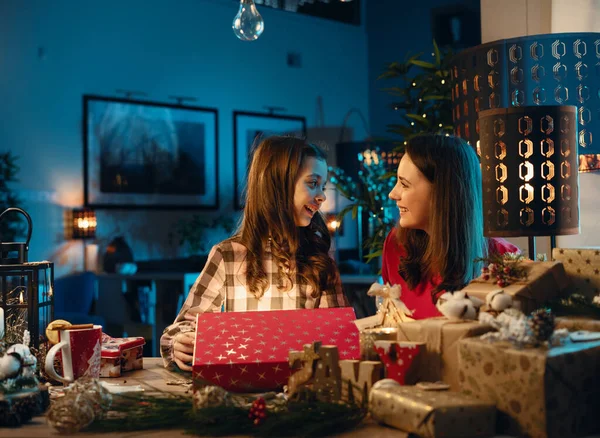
80 224
83 224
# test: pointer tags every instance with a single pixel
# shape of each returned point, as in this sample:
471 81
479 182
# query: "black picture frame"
247 126
149 155
456 25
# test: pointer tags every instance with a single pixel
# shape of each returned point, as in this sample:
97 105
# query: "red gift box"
249 351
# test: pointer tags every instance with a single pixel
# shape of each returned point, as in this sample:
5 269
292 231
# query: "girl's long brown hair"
456 216
269 214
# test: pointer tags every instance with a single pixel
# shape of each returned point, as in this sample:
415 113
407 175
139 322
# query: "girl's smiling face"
310 190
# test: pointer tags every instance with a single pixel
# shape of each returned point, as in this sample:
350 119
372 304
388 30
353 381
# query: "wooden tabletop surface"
154 378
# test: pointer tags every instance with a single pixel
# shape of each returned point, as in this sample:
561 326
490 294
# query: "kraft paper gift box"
438 361
582 265
121 354
539 392
545 281
431 413
577 323
249 351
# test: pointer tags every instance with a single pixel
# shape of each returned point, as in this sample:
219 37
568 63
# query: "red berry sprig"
258 411
502 271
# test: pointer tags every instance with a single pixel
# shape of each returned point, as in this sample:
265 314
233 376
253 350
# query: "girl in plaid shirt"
279 257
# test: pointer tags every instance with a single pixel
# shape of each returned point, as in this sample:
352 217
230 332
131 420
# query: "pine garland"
298 419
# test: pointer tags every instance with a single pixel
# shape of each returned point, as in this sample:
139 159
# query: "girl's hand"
183 350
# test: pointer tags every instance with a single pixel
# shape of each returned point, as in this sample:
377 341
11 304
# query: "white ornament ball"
10 366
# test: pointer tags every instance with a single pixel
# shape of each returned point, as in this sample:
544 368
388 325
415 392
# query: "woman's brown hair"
455 236
269 214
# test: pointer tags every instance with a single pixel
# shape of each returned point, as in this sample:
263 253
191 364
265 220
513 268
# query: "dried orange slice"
52 329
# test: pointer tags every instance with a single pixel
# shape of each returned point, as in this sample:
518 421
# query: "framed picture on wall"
249 128
140 154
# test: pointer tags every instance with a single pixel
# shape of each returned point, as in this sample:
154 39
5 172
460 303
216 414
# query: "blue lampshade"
535 70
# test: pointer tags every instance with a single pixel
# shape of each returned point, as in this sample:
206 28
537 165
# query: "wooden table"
153 378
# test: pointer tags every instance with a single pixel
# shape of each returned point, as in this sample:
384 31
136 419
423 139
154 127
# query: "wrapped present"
582 265
431 413
249 351
121 354
576 323
539 392
382 326
439 359
544 281
369 336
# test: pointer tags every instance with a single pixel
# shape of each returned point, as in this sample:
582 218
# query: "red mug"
80 350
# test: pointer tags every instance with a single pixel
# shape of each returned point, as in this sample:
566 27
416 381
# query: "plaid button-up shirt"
222 286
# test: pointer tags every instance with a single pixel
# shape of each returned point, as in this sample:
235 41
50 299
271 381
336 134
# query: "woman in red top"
440 232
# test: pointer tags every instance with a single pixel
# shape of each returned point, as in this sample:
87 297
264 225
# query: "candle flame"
21 297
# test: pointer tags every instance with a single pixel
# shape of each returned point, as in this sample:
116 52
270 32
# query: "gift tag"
585 336
433 386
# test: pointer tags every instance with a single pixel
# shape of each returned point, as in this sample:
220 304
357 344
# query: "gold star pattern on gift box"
583 267
243 351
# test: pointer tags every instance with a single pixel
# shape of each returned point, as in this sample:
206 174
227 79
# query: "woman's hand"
183 350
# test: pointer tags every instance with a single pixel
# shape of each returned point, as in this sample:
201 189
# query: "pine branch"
300 419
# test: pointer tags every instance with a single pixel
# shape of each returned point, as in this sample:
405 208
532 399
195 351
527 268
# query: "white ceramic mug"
80 350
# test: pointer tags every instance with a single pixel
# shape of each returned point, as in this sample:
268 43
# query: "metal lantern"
26 289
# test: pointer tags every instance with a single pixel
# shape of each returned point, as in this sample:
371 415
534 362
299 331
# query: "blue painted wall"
395 29
52 53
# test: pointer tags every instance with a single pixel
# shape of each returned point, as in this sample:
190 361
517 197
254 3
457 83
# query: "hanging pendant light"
248 25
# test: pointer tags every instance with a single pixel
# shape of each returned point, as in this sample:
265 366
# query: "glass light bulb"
248 25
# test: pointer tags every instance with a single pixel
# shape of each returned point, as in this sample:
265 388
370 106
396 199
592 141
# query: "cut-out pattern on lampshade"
529 170
536 70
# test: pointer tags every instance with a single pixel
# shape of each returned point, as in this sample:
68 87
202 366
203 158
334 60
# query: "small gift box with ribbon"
431 413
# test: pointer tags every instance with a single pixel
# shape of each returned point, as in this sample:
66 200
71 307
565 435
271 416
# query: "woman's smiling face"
412 194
